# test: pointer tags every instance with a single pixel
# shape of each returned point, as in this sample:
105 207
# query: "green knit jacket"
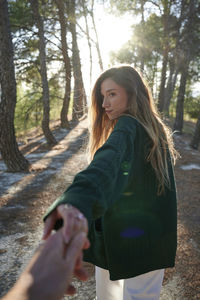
132 230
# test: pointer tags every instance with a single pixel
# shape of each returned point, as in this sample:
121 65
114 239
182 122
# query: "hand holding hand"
73 221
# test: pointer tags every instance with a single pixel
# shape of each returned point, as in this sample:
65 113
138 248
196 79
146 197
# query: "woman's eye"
112 94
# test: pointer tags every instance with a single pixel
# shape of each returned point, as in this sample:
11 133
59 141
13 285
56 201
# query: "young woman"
127 193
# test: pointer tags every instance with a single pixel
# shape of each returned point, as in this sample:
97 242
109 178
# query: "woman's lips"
108 111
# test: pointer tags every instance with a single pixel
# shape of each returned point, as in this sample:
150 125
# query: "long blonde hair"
141 106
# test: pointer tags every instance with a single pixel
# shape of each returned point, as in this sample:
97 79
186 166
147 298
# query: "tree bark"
97 39
142 22
187 47
175 62
43 72
10 153
163 81
178 124
153 84
165 17
67 64
196 137
170 87
88 38
79 99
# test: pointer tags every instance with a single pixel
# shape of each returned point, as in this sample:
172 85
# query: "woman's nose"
105 102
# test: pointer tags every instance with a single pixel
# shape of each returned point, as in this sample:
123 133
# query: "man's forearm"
21 290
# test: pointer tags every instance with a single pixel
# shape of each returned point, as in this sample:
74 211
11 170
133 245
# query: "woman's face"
115 99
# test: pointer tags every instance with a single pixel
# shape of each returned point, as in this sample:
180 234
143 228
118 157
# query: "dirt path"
25 197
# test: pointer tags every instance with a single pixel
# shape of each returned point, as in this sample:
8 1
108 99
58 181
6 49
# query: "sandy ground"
24 197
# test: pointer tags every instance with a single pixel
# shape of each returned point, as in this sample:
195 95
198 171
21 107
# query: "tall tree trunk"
97 39
174 63
196 137
163 81
79 99
170 87
188 54
178 124
43 72
142 23
10 153
165 17
67 64
153 78
88 38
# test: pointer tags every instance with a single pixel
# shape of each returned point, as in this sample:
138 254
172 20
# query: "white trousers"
143 287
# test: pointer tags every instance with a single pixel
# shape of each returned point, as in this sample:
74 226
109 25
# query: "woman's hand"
73 221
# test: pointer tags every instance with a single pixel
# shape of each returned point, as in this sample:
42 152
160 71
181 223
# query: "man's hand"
49 273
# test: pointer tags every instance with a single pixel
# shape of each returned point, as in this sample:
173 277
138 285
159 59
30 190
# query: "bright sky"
113 32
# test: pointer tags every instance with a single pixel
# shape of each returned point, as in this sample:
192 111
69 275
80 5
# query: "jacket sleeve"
92 188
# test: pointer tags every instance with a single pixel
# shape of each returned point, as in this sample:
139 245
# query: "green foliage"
144 47
144 44
29 106
124 55
121 7
20 15
148 36
24 38
56 97
28 113
135 7
192 106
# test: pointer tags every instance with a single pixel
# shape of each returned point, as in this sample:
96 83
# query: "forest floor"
24 198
